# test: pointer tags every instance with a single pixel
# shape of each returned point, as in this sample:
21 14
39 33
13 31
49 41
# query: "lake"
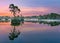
29 32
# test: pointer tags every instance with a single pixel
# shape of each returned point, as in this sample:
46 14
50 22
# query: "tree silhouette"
14 34
14 9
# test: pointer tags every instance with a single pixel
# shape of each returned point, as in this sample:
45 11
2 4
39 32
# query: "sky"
30 7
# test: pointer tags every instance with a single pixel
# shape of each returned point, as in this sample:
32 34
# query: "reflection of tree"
50 23
14 34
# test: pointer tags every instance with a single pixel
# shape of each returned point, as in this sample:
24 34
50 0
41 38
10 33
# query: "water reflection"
14 32
29 33
49 23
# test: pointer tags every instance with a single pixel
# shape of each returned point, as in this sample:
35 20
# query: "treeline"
47 16
50 16
4 17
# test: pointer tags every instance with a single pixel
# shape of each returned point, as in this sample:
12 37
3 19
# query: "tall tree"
14 9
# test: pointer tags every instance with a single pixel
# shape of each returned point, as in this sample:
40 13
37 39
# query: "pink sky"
29 11
30 7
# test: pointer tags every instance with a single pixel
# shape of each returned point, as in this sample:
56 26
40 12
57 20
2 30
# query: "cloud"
40 3
30 11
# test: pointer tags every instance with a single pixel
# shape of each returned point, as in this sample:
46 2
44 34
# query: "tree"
14 9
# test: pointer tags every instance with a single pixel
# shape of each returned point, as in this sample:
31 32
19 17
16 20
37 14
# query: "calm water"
30 33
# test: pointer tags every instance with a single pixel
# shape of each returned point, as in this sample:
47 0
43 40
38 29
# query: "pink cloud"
30 11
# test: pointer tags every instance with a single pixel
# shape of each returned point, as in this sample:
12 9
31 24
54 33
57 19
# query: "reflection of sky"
51 5
31 32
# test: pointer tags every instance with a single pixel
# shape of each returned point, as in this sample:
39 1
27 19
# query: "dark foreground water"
30 33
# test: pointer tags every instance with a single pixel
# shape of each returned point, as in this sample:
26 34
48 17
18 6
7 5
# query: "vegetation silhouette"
14 34
50 23
15 22
55 23
49 16
14 9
